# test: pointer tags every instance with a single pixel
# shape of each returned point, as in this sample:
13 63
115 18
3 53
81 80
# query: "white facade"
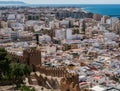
11 17
51 24
112 21
44 38
60 34
51 49
68 34
103 20
17 26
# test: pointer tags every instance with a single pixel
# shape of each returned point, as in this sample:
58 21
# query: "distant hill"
12 3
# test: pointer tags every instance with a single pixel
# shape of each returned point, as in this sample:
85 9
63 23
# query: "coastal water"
111 10
104 9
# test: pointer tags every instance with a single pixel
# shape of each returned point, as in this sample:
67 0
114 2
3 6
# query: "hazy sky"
69 1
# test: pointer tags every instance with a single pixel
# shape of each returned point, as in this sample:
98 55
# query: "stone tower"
32 57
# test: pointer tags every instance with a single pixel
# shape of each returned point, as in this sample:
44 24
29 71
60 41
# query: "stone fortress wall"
48 77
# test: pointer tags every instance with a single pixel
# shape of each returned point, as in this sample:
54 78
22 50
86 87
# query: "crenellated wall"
69 83
52 71
30 57
15 57
65 82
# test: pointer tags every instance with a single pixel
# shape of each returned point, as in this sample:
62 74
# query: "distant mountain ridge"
12 2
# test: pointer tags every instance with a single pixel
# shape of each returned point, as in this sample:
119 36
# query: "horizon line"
60 3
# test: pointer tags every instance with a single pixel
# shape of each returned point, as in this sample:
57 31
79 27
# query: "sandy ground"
37 88
8 88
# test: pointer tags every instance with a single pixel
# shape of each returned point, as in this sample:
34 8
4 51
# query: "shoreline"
87 8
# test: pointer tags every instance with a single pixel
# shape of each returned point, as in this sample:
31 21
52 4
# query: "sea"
112 10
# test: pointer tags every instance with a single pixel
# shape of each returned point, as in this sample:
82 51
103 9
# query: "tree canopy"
26 88
4 62
10 70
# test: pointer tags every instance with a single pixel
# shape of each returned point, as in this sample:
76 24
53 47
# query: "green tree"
1 25
18 71
75 31
4 63
10 71
3 53
26 88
